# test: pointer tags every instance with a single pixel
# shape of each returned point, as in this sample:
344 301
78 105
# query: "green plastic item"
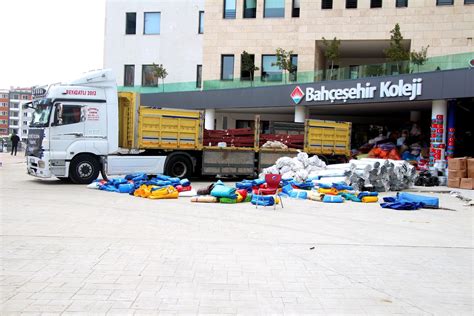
227 200
248 198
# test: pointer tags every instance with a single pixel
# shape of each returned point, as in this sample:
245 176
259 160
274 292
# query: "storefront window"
270 71
401 3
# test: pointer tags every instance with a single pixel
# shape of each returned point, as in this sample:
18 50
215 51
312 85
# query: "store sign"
386 89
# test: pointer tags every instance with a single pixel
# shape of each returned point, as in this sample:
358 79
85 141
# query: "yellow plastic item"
370 199
168 192
143 191
330 191
239 197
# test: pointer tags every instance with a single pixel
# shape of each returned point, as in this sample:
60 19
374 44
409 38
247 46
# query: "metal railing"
437 63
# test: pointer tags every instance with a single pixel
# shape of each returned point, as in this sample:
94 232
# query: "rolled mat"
204 199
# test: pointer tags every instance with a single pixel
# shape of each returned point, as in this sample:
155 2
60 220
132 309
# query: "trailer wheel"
179 167
84 169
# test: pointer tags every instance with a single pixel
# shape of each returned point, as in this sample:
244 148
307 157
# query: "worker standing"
15 139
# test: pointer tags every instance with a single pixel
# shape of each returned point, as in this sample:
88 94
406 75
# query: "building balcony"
437 63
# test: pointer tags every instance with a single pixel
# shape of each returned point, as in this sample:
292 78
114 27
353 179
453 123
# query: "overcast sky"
47 41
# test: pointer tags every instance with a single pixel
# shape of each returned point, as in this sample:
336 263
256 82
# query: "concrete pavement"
67 250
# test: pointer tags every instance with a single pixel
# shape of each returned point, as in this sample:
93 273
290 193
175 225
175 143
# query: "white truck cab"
74 131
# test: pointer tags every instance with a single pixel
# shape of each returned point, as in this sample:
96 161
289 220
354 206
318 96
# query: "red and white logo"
297 95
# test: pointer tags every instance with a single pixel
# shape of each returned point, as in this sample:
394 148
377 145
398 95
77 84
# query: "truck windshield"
42 111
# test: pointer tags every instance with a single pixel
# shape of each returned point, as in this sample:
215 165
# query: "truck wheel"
84 169
179 167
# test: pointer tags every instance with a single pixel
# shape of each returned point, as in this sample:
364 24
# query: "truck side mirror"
58 114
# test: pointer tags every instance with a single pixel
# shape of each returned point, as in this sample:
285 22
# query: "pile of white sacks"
380 174
299 168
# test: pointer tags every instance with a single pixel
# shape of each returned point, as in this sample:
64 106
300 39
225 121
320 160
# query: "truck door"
67 127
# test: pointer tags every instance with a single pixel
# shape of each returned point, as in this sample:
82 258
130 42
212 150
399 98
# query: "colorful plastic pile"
143 185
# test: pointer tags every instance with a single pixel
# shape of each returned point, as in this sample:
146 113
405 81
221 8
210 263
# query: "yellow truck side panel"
169 129
143 127
127 104
327 137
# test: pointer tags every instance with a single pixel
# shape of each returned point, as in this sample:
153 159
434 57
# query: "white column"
209 117
300 114
415 116
439 115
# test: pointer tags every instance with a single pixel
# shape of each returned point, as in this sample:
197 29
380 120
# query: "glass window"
375 3
294 65
16 97
149 78
351 4
326 4
270 71
295 12
250 9
152 23
227 68
201 22
468 1
199 76
401 3
245 74
131 23
68 114
129 76
444 2
229 9
274 9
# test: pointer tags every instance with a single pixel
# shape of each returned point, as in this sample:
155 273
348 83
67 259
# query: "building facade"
3 112
232 95
19 118
259 27
140 33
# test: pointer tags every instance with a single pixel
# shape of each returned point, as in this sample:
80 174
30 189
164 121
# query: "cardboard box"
454 182
467 183
457 163
470 167
457 173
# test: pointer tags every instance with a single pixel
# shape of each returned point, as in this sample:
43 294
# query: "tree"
248 65
332 51
419 58
284 61
160 73
396 52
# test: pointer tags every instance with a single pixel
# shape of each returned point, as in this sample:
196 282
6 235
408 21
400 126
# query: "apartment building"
140 33
3 112
19 118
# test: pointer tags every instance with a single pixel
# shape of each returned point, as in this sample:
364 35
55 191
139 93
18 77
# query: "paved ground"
69 250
